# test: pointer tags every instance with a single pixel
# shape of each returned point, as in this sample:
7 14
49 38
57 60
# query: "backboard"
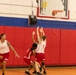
53 9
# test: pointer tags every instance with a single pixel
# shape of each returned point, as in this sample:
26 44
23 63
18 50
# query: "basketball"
54 12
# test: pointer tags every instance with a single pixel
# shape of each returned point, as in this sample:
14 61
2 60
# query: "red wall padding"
68 47
53 45
60 49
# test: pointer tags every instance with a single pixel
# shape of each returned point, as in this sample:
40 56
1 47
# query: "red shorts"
5 57
29 61
40 57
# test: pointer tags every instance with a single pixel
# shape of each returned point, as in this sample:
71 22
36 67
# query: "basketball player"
4 52
28 58
43 39
40 55
40 52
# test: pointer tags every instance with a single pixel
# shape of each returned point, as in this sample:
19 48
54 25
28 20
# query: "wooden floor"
50 71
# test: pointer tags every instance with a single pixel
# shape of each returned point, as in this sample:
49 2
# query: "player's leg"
43 63
4 67
34 72
43 67
37 67
4 60
29 63
1 59
32 65
37 63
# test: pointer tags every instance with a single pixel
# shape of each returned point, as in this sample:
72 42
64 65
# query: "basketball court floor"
50 71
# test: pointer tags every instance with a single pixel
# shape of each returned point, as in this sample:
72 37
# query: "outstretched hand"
33 32
17 56
41 29
37 27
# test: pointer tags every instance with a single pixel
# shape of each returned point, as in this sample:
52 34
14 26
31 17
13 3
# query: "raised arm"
11 47
38 36
33 39
42 33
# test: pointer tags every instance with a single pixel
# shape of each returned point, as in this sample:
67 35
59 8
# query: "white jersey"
41 47
4 48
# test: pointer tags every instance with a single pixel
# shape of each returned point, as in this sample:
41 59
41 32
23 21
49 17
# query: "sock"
44 69
40 69
2 73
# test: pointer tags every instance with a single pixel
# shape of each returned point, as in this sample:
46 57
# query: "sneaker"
44 72
2 73
27 72
38 73
34 72
40 69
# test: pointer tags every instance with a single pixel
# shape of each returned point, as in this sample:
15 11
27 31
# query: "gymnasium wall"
23 8
61 42
61 38
17 8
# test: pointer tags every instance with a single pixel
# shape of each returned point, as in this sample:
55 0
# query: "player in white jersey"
4 52
40 52
41 47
